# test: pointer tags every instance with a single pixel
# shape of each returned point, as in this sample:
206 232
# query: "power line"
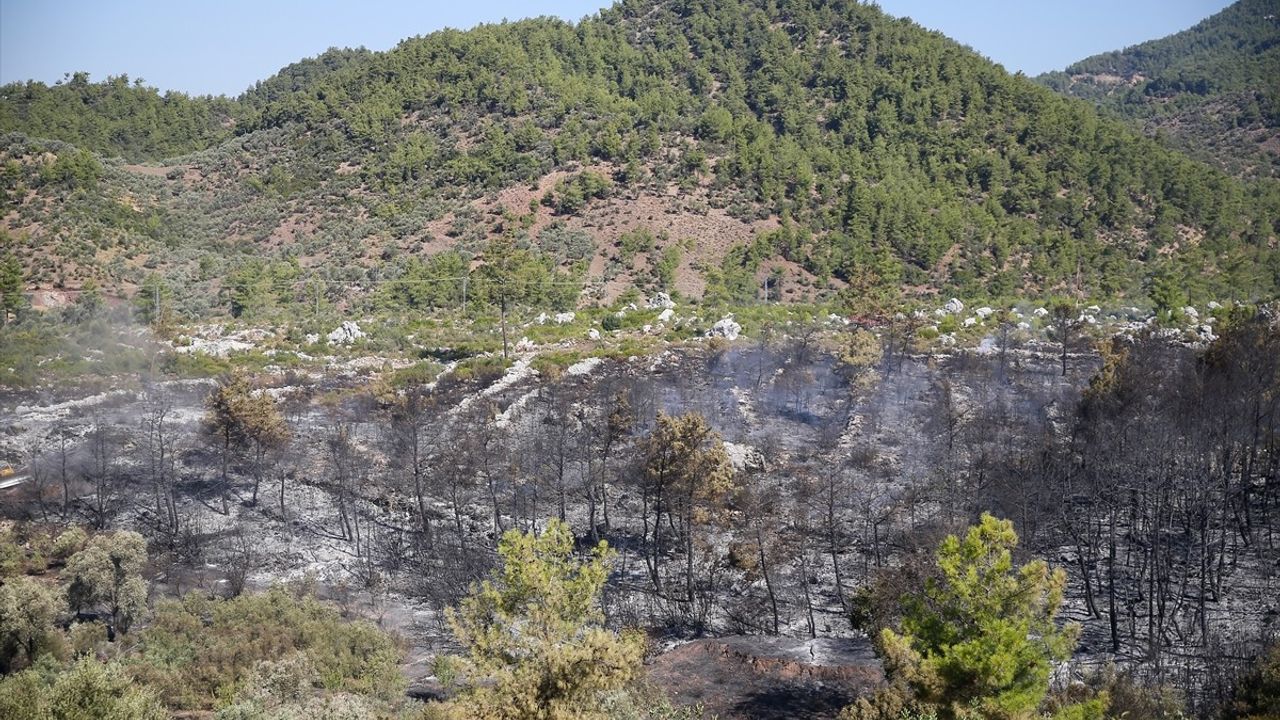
407 281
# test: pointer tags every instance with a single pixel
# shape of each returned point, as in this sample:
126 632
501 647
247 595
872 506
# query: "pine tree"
982 639
243 420
11 287
537 647
689 475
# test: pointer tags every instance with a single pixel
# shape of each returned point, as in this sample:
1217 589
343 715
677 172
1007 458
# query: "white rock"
1039 312
583 367
564 318
661 300
744 457
646 328
953 306
666 315
1024 326
726 328
525 345
1190 312
542 318
593 334
219 347
620 314
312 338
1213 305
1093 309
346 333
984 312
970 322
947 340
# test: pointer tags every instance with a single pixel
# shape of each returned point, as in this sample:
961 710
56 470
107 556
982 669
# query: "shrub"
201 649
69 542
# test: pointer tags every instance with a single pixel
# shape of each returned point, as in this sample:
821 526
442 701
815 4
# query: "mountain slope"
1213 90
699 146
116 118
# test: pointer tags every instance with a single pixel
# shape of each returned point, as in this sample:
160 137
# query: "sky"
224 46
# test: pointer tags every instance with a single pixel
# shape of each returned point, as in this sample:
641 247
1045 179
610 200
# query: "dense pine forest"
1211 90
864 149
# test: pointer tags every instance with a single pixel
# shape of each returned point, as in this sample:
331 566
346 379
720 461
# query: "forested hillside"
1212 90
116 118
703 147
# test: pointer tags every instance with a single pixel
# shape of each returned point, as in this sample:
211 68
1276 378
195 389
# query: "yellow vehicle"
6 471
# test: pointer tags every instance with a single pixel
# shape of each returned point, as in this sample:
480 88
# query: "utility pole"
464 293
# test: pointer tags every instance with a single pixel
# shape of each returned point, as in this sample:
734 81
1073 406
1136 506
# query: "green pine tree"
537 647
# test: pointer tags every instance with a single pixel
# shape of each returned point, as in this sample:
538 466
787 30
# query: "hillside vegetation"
706 148
1212 90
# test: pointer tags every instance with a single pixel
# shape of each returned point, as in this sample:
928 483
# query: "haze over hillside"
701 147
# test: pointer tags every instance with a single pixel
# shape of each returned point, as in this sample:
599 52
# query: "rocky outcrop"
345 334
726 327
661 301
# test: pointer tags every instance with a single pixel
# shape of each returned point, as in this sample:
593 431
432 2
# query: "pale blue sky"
223 46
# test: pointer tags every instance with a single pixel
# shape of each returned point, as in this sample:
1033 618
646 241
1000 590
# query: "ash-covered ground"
389 500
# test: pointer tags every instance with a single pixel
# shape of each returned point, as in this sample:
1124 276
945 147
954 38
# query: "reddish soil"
768 678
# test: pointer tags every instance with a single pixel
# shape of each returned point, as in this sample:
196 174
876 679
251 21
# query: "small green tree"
1258 692
28 609
537 647
153 303
980 642
505 273
11 285
108 573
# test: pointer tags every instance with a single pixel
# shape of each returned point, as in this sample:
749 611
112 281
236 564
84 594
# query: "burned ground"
845 477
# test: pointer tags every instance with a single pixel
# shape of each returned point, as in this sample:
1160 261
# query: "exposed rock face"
525 345
593 334
661 300
564 318
666 315
769 677
953 307
984 312
726 328
346 333
744 457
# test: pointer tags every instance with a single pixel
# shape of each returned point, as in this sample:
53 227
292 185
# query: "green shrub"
199 651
